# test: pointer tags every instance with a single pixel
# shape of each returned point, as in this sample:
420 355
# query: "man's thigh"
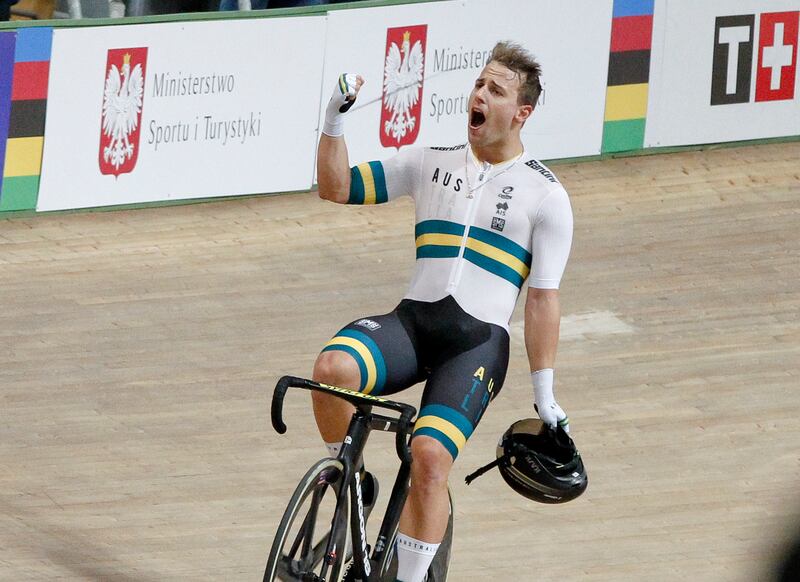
384 351
459 390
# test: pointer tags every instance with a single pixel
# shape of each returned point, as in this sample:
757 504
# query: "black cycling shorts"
462 360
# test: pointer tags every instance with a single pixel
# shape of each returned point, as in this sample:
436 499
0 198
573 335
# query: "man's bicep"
368 184
377 182
551 241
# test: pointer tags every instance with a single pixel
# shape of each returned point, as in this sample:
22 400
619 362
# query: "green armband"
367 184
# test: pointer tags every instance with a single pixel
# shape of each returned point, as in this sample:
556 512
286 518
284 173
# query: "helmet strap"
472 476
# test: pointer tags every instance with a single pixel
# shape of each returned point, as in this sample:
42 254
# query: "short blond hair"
523 63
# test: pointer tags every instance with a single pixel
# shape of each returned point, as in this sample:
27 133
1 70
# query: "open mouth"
476 119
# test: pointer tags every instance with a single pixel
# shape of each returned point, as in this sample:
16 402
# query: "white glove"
344 95
544 402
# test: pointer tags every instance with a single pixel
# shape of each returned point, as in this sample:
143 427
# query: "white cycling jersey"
481 229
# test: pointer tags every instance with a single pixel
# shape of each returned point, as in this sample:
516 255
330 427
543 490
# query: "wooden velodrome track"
139 349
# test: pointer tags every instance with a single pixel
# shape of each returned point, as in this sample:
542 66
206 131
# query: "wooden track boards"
138 350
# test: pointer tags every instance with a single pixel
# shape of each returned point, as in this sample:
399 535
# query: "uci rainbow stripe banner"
628 75
24 72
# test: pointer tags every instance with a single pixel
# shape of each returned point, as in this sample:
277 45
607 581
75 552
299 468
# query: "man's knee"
431 462
333 413
338 369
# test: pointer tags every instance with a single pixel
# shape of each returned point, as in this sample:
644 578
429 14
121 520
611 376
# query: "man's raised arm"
333 164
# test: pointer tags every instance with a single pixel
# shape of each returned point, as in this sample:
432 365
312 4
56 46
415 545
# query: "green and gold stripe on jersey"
441 239
367 184
438 239
498 254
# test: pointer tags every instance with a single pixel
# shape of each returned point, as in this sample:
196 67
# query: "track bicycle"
323 530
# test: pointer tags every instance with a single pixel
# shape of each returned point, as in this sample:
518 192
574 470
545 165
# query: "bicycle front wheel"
300 550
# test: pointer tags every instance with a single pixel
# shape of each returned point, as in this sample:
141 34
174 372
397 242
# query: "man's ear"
523 113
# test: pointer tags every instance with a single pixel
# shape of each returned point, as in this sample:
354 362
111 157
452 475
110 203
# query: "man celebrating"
488 217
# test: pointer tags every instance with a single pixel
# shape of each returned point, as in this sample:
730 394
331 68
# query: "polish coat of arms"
123 97
403 78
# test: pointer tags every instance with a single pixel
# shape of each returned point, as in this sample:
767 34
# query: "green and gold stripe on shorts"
366 354
367 184
446 425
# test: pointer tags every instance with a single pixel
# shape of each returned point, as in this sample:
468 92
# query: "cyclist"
487 215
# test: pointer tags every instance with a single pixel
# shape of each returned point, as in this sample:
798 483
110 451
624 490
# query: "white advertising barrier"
723 70
449 43
154 112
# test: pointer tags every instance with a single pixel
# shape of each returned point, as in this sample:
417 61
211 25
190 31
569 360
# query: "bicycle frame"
362 423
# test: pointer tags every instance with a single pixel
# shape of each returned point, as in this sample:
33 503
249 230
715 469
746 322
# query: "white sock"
333 449
413 558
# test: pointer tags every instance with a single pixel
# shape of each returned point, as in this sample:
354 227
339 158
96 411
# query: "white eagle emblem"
402 81
122 102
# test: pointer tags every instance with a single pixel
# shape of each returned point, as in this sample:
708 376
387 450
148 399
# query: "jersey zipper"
474 197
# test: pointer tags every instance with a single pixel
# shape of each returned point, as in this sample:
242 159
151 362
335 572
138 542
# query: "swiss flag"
777 56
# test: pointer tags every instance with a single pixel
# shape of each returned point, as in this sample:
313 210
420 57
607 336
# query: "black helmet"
541 462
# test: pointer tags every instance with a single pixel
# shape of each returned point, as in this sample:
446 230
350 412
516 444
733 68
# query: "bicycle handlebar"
407 412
